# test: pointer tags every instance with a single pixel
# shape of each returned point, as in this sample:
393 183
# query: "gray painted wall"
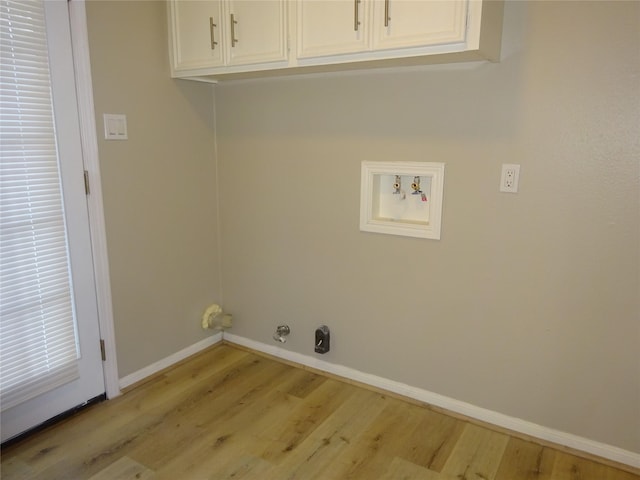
528 305
158 186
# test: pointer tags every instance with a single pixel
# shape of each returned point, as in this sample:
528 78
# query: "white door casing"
88 135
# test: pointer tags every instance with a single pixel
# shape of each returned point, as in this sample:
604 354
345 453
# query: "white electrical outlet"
510 178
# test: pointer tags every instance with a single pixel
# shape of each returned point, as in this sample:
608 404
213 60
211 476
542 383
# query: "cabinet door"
331 27
410 23
196 26
257 32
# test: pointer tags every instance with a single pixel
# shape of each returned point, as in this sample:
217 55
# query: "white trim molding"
84 91
167 362
456 406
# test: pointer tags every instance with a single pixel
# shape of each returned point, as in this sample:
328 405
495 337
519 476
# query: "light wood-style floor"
232 414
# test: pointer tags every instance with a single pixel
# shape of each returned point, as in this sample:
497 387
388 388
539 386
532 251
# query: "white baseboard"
514 424
170 360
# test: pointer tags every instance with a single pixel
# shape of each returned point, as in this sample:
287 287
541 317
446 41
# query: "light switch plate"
115 126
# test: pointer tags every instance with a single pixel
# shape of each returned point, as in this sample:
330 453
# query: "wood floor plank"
245 467
174 384
15 468
433 440
381 441
401 469
232 437
125 469
302 382
526 461
65 455
203 422
229 413
294 428
477 454
341 430
570 467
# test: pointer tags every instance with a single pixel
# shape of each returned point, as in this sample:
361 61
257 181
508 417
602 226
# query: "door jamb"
88 135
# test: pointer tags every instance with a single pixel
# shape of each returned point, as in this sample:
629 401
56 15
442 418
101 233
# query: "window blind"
38 343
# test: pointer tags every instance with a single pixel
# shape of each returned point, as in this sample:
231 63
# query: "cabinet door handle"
211 27
234 22
356 14
386 13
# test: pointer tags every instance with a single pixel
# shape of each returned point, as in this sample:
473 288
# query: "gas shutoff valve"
322 339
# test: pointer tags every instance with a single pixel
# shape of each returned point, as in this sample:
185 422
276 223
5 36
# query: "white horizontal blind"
38 343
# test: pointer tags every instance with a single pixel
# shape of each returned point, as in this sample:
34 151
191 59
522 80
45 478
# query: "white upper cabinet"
336 27
215 35
196 27
257 32
332 27
218 39
411 23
